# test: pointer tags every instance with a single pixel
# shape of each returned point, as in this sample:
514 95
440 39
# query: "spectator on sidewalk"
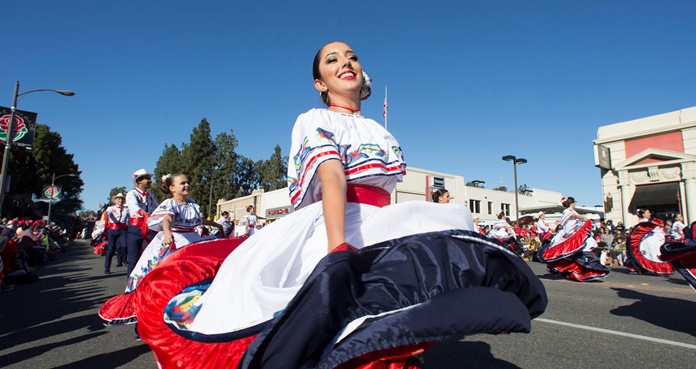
15 268
31 244
607 239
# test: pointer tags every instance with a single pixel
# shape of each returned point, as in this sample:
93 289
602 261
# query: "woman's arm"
333 194
167 229
578 216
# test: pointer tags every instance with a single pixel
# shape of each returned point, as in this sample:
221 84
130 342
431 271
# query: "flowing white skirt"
156 252
263 274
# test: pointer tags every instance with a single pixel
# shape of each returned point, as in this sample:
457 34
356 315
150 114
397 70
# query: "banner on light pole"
51 193
24 127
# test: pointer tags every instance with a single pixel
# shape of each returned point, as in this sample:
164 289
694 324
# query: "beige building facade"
649 163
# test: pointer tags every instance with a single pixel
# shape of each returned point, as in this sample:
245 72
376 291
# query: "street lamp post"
50 203
10 133
515 161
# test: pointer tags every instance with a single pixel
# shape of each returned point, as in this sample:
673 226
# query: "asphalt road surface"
623 321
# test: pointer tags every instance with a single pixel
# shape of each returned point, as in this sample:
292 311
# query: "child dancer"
178 222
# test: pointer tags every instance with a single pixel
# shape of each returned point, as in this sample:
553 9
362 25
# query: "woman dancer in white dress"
249 221
570 250
643 246
503 232
502 229
342 170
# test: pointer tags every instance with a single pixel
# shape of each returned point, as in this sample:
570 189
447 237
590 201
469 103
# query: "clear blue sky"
469 81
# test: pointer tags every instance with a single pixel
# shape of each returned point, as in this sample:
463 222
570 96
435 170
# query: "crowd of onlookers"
25 244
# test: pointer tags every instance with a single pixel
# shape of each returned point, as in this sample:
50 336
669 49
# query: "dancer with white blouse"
311 289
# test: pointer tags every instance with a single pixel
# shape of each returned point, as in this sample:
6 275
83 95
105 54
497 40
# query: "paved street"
623 321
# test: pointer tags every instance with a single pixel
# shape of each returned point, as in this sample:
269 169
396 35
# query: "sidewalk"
53 323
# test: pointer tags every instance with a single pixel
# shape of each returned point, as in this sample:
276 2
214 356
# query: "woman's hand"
344 247
168 237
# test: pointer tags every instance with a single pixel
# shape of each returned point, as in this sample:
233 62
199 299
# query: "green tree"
500 188
170 162
273 172
247 176
477 184
524 189
114 191
216 170
31 170
88 213
197 159
225 185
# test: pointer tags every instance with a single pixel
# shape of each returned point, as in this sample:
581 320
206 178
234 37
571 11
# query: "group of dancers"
569 252
348 280
650 251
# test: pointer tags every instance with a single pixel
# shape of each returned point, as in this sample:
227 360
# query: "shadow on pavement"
677 279
666 312
21 355
115 358
552 276
35 311
53 328
49 323
458 354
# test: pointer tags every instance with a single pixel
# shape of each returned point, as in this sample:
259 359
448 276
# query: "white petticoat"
260 277
651 243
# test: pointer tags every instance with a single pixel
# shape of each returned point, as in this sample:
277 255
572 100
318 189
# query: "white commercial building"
649 163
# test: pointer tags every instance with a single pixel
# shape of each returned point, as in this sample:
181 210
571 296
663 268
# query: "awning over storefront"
656 194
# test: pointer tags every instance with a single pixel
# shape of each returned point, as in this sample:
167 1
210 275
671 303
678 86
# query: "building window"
505 208
475 206
490 207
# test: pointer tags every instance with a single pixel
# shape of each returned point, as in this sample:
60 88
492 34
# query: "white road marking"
617 333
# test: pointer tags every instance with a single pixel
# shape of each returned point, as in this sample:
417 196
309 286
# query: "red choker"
351 110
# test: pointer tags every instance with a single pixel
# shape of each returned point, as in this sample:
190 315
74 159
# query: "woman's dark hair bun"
436 193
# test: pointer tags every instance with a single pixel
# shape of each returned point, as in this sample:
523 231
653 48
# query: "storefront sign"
278 212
